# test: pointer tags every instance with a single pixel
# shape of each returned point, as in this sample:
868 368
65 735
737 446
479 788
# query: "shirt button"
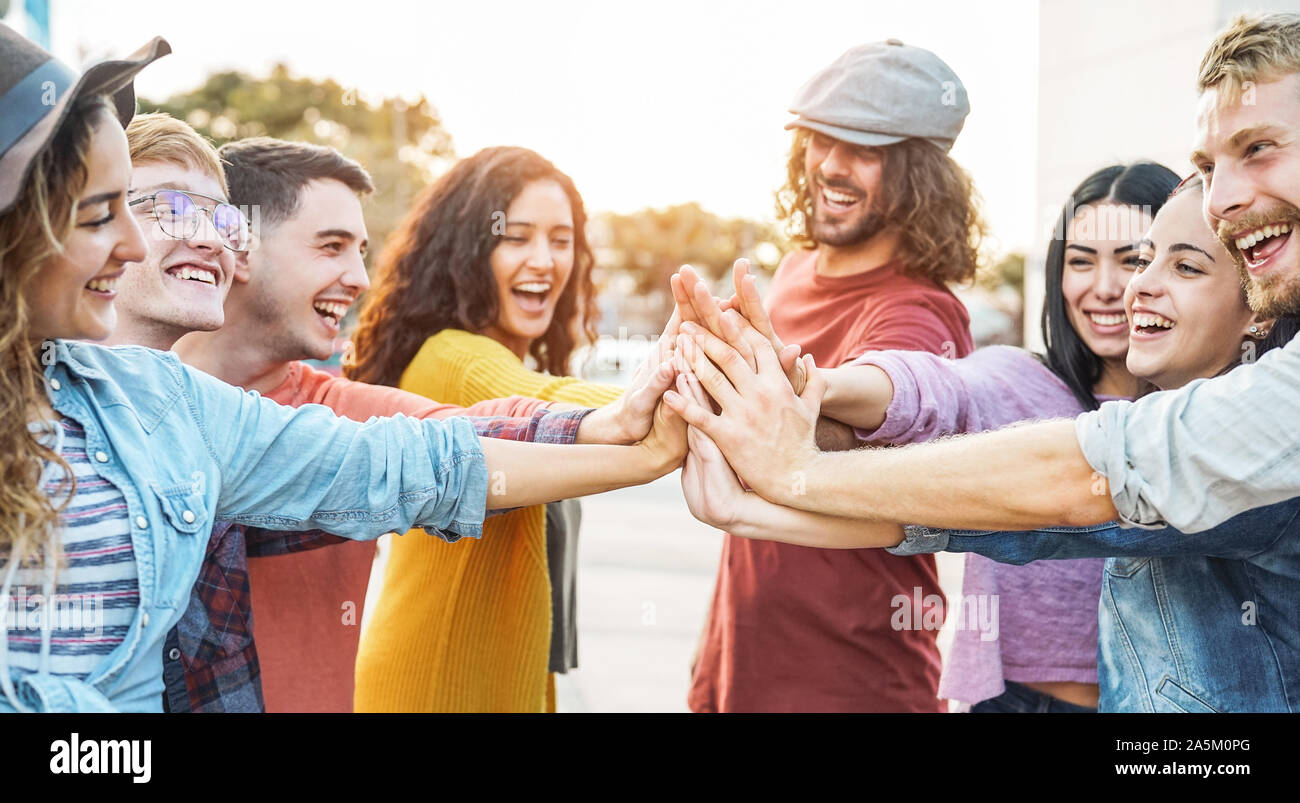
144 619
188 516
101 457
55 384
173 653
141 522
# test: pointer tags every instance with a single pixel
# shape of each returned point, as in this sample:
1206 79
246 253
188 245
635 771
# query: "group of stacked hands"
1196 603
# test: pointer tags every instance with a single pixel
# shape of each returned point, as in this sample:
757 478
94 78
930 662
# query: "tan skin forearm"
1019 478
858 395
523 474
767 521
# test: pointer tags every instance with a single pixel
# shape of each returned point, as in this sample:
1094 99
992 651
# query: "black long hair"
1142 184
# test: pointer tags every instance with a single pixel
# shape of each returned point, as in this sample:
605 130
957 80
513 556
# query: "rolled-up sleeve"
305 468
1196 457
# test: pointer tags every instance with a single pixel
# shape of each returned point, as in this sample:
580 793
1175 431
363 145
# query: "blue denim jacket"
186 449
1202 622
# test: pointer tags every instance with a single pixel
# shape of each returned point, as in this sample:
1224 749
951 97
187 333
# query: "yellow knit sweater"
467 626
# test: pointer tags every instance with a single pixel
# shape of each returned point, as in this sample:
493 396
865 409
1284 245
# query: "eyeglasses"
178 216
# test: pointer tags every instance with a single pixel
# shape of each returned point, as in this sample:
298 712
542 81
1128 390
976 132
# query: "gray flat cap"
881 93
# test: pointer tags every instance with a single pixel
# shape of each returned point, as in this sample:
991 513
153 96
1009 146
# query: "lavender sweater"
1031 623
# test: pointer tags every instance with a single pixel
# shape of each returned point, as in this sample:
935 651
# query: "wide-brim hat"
36 92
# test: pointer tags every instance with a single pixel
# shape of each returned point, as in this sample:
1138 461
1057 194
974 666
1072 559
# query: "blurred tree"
636 253
403 144
1008 271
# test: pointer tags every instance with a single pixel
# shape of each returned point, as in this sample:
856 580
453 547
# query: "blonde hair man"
178 194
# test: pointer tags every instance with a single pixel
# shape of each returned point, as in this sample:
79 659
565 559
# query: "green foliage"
403 144
1007 271
650 245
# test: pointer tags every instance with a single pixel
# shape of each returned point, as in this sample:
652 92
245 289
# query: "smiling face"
182 285
1101 253
1248 153
1189 316
531 264
843 182
305 274
72 297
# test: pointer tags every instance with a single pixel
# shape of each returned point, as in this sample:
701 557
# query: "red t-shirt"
309 604
797 628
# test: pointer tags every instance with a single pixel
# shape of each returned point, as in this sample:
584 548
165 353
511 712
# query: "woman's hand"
628 420
664 448
712 490
764 429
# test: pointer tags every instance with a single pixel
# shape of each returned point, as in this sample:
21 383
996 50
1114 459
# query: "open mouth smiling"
1150 323
195 273
331 312
1258 245
837 200
532 296
105 286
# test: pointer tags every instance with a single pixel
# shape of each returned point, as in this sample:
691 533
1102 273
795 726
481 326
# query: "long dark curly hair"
434 272
928 198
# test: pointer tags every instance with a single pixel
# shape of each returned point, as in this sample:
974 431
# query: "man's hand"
765 430
700 307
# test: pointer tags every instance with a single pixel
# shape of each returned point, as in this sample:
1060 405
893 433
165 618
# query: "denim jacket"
1202 622
186 449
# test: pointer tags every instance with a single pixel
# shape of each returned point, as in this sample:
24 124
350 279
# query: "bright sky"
644 104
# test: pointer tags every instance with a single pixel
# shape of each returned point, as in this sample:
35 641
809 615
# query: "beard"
867 224
848 232
1272 296
1277 293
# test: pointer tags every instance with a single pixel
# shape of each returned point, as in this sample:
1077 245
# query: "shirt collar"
63 353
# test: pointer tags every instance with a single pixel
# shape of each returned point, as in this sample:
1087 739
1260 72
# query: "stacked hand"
762 401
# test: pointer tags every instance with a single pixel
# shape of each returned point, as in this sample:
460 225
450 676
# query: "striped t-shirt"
97 593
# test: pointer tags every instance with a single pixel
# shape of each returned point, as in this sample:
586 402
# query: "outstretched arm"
522 474
1018 478
715 496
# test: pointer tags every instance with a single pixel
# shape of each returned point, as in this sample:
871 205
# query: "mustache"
839 184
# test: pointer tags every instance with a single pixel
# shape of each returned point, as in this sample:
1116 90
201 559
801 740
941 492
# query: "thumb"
815 388
788 357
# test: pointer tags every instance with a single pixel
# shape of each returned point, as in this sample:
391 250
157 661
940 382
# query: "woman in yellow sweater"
490 267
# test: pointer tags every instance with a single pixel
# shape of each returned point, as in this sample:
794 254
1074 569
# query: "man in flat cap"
884 219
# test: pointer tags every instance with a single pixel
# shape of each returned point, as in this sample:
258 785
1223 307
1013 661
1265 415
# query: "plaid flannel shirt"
210 658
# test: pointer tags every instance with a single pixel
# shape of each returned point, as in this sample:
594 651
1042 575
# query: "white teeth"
102 285
333 309
1260 235
196 274
1108 320
534 287
1142 319
838 197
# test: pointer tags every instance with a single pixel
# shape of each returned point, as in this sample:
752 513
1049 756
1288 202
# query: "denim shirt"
1194 457
186 449
1199 622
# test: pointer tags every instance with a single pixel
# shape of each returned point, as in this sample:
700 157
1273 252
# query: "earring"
1254 330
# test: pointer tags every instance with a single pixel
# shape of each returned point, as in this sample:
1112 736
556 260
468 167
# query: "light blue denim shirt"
1202 622
1194 457
186 449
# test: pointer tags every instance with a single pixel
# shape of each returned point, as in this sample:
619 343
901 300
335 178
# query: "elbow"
1089 510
